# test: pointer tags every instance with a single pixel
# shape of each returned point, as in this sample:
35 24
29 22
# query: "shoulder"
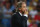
16 14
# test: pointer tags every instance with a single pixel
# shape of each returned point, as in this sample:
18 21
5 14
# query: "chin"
22 12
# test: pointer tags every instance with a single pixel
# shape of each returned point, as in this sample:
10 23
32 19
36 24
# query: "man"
7 12
19 19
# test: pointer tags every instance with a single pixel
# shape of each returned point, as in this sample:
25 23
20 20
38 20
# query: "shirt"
37 17
33 13
5 11
24 14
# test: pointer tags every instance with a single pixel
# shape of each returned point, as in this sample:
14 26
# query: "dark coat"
19 21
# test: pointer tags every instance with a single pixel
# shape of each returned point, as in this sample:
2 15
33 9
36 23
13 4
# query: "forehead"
23 4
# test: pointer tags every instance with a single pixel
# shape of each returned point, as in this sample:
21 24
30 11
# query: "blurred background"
9 7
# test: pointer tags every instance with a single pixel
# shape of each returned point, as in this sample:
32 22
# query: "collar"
24 14
20 13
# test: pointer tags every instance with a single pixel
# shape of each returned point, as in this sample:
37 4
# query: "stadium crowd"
9 7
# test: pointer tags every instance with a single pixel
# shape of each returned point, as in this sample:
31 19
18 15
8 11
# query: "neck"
20 11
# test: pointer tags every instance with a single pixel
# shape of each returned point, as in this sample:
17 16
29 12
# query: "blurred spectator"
1 14
33 12
29 20
34 3
33 25
13 7
37 18
30 6
7 12
4 2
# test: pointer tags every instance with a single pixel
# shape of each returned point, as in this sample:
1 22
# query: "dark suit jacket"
19 21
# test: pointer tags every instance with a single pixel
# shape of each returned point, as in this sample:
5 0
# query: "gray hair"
19 5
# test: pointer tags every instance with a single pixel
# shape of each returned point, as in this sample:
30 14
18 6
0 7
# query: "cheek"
23 8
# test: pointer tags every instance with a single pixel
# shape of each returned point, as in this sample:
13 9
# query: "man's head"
7 5
22 6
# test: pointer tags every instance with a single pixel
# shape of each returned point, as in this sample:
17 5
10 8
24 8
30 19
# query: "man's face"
8 5
23 8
